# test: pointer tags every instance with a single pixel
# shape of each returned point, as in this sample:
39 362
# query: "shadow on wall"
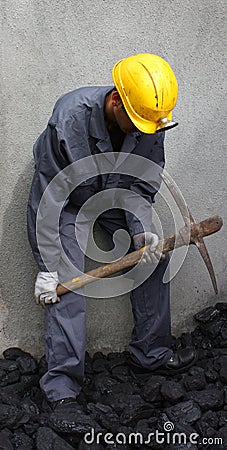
23 321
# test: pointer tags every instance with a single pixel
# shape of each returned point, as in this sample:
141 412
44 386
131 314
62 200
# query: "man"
128 119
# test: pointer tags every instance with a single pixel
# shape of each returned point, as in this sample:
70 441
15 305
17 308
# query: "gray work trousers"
65 321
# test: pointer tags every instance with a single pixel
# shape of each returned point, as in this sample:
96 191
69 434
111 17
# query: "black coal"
116 401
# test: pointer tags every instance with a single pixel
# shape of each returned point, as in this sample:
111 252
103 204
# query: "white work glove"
153 254
45 288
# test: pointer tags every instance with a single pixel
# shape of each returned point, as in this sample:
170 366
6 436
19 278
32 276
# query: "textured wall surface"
51 47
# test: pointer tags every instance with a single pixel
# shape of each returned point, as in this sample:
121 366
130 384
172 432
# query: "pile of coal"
119 410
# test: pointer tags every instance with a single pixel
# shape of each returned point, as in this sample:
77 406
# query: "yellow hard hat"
148 90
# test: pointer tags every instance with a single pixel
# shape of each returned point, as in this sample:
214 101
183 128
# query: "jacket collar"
97 126
98 130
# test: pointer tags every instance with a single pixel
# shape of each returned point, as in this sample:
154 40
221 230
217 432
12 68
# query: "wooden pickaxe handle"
201 229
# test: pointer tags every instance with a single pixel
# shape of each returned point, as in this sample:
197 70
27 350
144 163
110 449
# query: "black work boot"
179 362
63 402
68 416
49 406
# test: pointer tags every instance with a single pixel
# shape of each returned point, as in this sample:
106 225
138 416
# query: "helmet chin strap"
166 124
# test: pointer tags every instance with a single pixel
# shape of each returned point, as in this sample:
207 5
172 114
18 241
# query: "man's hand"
153 254
45 288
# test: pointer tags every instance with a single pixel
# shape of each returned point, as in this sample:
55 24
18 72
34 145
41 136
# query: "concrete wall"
51 47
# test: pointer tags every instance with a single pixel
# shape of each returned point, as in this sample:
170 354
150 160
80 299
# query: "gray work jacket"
77 130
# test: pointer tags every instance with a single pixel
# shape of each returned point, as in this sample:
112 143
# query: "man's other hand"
153 254
45 288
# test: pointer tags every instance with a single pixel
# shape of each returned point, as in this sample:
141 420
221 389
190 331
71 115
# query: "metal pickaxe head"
194 236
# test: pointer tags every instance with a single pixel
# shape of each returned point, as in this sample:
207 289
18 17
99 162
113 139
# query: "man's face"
121 117
123 120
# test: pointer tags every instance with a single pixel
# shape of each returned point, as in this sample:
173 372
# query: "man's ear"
116 99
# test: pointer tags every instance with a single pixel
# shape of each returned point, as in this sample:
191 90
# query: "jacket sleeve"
141 218
55 150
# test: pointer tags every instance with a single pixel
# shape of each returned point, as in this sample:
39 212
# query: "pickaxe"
191 233
195 236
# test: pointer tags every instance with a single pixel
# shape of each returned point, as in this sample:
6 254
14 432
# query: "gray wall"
51 47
